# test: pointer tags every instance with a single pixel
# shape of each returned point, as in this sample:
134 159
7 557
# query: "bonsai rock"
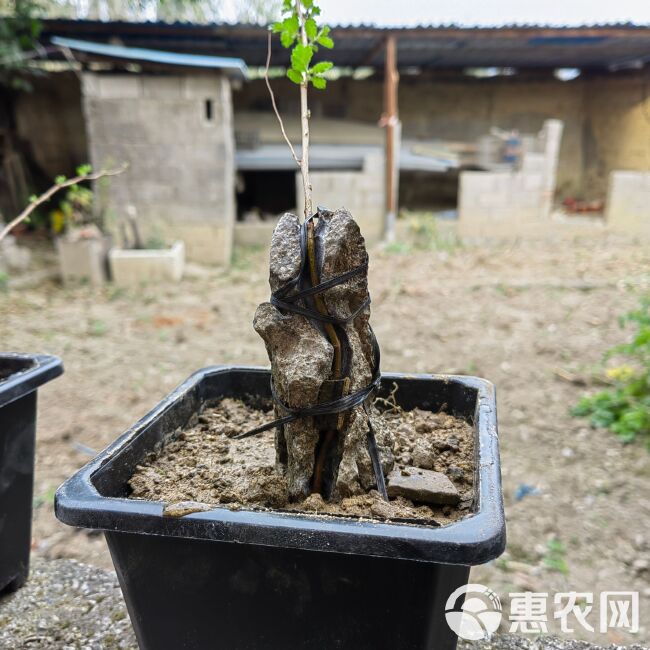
303 354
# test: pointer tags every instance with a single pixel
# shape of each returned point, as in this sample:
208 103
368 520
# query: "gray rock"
302 356
422 486
423 455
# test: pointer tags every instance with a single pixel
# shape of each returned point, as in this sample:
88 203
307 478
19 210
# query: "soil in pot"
203 465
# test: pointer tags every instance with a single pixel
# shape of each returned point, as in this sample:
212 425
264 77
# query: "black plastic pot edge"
18 403
474 540
31 371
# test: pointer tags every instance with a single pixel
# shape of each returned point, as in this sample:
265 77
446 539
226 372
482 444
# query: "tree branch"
275 108
46 196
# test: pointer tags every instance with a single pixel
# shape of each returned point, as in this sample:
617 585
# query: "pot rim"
33 370
473 540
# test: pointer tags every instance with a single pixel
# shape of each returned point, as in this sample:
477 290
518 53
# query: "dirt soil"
534 318
204 464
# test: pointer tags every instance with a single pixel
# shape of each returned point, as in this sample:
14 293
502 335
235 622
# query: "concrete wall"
628 202
605 128
50 120
505 204
449 109
181 164
360 192
617 126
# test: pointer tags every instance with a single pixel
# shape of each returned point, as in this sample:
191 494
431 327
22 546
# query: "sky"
484 12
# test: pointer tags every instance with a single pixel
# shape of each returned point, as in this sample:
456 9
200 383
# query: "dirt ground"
532 318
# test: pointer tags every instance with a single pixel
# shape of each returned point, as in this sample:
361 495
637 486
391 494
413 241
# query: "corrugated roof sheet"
426 47
227 64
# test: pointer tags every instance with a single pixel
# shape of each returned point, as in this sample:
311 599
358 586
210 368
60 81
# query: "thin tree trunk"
304 115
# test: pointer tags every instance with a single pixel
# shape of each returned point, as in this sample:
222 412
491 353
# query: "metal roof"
337 157
229 65
600 47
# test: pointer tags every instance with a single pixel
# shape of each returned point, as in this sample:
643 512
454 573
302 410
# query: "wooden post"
391 121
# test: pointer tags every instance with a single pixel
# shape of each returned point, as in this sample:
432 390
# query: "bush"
625 407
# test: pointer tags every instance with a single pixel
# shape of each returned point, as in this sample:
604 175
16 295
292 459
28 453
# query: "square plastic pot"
20 376
241 579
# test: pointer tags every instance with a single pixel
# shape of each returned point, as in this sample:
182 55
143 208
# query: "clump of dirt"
204 465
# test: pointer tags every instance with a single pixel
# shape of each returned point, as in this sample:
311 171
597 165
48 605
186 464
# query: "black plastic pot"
20 376
266 580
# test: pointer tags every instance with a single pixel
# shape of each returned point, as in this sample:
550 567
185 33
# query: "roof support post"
390 121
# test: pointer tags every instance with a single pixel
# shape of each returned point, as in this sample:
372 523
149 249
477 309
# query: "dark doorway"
267 193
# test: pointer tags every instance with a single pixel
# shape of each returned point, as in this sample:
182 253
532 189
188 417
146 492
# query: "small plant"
625 407
555 557
76 210
299 31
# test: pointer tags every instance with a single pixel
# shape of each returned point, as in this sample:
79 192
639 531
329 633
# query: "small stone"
423 456
453 443
455 473
314 502
382 510
422 486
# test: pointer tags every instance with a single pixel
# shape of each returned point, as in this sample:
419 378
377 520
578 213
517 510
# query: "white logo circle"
478 617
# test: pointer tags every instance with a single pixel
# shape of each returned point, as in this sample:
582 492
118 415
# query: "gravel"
68 605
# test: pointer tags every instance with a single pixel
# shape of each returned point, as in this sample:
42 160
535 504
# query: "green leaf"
276 28
321 67
84 170
60 179
319 82
325 41
291 25
286 39
311 29
301 57
295 76
33 198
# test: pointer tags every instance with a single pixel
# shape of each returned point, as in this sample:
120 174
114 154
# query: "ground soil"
206 465
534 318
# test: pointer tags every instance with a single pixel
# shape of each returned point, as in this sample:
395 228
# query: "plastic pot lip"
31 372
477 539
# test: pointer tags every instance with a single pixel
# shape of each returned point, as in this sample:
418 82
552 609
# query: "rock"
423 455
382 510
422 486
302 358
455 473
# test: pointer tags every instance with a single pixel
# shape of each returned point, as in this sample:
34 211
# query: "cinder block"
628 202
202 87
122 86
159 87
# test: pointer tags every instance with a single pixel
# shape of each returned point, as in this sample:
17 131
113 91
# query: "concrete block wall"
181 161
360 192
628 202
503 204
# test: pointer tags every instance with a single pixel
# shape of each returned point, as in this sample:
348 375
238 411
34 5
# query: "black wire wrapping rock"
284 299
